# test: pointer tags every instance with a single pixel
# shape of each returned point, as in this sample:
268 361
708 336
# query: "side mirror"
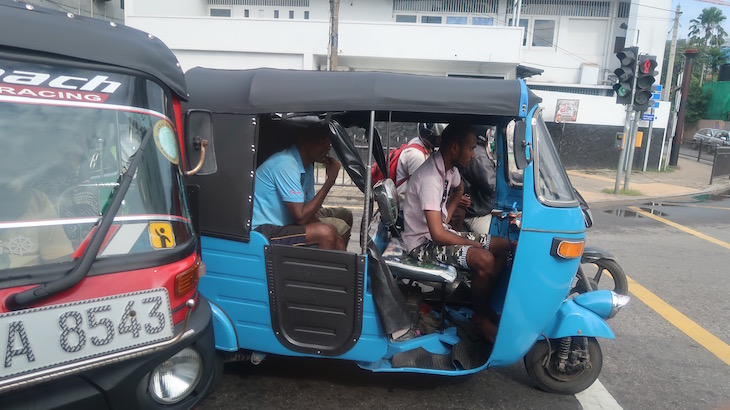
198 140
520 146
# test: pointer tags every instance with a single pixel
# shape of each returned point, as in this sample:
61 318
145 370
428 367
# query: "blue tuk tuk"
304 301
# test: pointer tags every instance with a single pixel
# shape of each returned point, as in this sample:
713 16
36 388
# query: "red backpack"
377 174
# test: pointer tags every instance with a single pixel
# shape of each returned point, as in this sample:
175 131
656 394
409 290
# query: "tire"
596 272
709 148
550 379
694 145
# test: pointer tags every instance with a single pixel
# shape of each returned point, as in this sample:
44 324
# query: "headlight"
174 379
618 302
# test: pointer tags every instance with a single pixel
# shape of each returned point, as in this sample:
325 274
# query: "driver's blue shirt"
281 178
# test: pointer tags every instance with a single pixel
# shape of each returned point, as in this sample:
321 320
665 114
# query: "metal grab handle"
203 144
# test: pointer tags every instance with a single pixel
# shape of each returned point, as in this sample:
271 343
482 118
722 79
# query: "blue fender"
225 334
573 319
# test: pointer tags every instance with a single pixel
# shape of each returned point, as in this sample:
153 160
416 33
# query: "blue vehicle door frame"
539 282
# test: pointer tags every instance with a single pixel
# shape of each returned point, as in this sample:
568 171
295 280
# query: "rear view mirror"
199 146
520 145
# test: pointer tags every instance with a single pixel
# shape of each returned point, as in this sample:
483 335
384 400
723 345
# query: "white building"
563 46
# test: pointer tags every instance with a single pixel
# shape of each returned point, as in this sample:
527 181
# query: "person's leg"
479 224
324 235
484 280
341 218
482 263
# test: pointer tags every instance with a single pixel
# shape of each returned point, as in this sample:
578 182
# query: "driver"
433 194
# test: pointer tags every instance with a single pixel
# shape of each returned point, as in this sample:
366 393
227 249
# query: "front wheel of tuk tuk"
569 375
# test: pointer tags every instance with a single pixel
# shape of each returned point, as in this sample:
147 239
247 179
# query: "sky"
691 9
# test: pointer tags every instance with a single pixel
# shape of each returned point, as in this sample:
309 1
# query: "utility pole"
689 55
672 53
333 43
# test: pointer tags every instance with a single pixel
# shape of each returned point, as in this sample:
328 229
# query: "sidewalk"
687 178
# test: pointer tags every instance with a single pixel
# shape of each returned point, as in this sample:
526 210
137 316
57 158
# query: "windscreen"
67 135
553 186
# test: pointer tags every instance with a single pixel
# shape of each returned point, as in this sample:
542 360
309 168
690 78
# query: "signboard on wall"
566 110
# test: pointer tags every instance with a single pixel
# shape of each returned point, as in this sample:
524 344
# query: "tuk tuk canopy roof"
268 90
60 34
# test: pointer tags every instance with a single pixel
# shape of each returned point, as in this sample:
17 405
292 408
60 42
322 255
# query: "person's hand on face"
333 167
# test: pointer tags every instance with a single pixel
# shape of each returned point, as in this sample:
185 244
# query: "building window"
276 14
482 21
306 14
431 19
543 33
220 12
456 20
291 14
403 18
523 23
245 13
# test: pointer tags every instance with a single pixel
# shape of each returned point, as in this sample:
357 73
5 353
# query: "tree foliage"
706 30
697 102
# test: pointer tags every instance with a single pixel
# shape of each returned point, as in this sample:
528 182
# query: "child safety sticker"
161 235
166 141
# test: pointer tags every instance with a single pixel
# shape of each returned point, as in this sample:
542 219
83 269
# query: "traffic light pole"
631 148
627 130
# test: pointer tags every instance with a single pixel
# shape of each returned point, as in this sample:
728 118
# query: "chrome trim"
618 301
89 220
58 372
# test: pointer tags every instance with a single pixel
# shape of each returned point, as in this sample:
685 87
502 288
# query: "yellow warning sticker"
161 236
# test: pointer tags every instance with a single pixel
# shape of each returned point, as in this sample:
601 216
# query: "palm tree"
706 31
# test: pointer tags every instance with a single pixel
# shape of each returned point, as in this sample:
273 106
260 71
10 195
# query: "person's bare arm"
441 235
304 212
453 201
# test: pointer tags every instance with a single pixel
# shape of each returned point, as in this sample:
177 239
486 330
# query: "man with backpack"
414 154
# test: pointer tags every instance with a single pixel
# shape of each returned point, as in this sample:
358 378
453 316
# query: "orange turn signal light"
188 280
568 248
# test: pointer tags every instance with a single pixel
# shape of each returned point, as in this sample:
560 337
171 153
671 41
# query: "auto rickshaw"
305 301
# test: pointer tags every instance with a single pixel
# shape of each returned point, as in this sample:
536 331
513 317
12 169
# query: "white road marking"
597 397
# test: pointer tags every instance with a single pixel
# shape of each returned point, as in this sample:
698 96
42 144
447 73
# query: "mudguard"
225 334
594 253
575 320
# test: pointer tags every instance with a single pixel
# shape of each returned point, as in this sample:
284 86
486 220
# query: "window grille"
605 92
282 3
623 9
446 6
573 8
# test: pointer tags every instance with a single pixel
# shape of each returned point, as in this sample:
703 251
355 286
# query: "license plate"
41 338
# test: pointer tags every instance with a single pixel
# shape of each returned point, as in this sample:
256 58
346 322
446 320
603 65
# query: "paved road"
671 350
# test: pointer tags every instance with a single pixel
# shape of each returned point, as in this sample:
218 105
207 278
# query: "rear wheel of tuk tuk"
568 375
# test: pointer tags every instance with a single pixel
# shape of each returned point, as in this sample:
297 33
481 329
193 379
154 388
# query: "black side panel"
226 196
316 298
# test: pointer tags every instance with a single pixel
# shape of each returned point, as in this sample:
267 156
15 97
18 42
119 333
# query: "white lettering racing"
60 82
99 80
66 82
27 78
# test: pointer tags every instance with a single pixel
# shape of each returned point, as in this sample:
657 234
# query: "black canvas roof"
269 90
87 39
